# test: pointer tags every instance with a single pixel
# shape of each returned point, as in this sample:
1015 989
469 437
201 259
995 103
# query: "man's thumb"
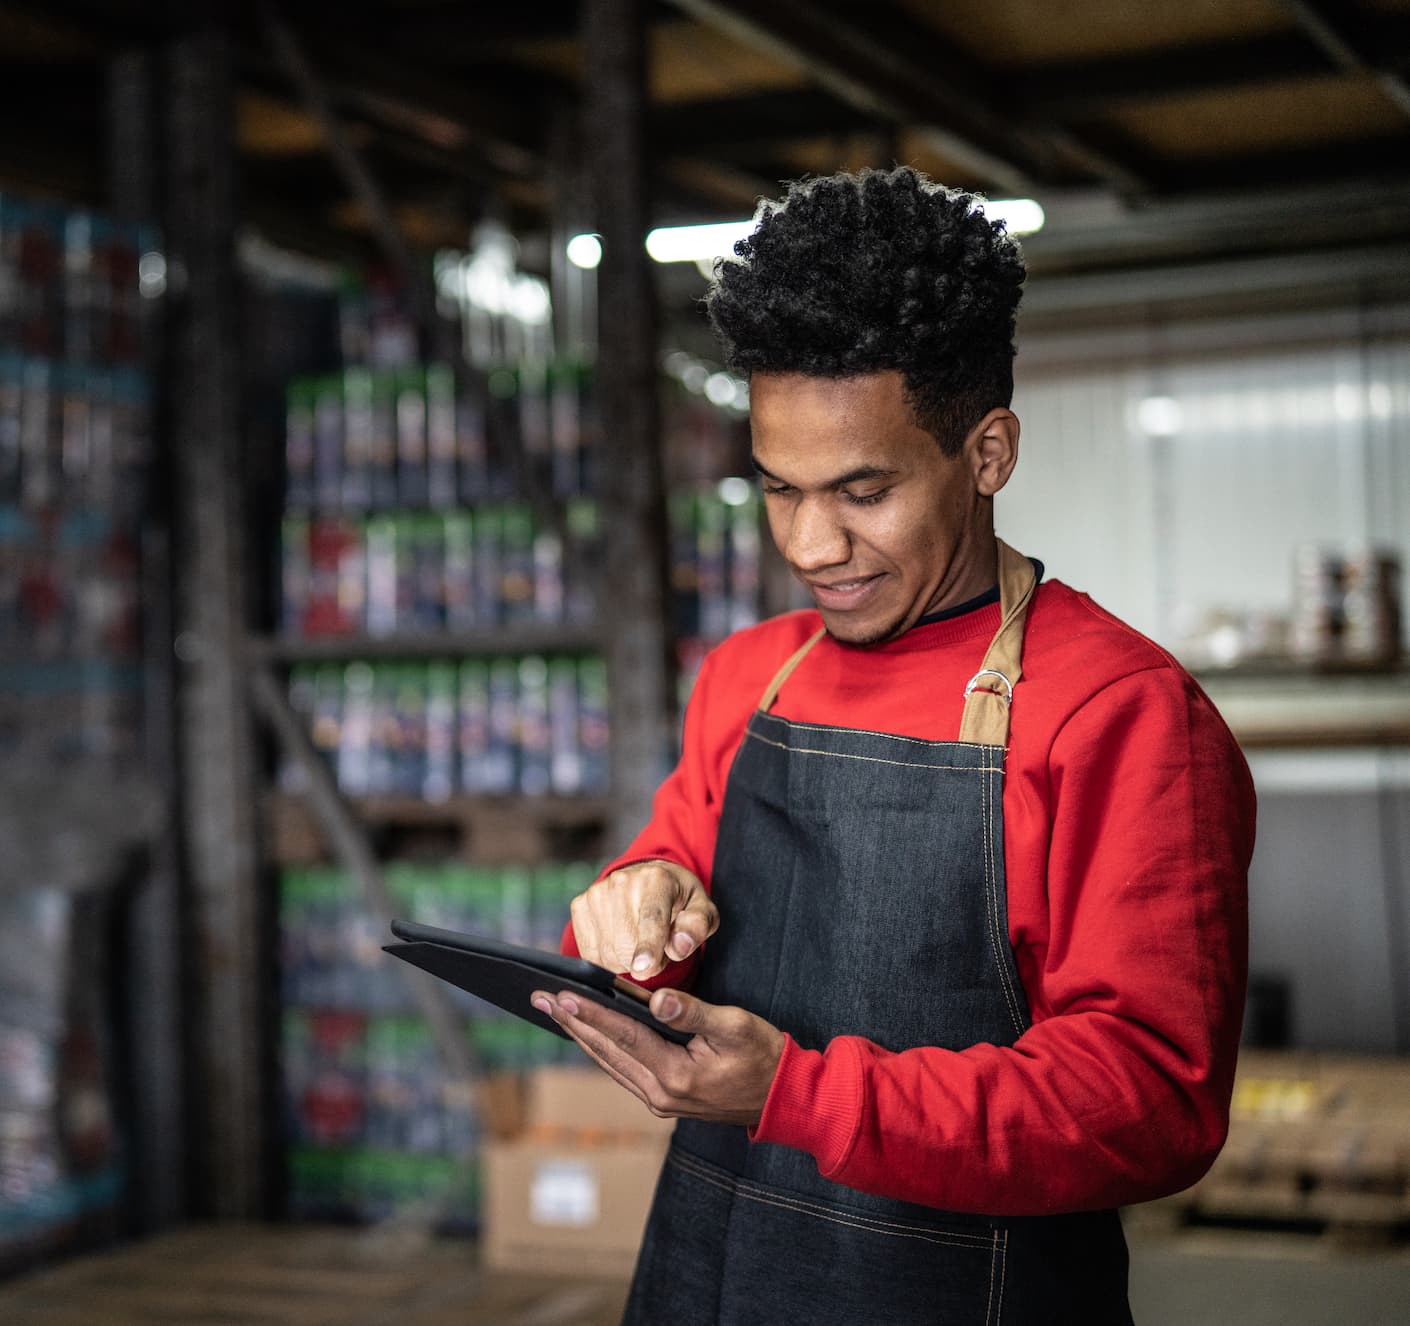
682 1011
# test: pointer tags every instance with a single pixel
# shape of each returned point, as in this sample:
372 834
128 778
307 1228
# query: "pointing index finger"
652 926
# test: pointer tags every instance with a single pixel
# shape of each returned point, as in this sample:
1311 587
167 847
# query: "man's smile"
840 595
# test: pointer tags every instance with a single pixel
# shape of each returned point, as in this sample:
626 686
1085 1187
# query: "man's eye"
778 490
868 499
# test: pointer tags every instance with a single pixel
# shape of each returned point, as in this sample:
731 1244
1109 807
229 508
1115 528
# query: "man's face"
879 524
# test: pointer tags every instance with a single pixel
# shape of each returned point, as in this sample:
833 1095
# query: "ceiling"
1153 133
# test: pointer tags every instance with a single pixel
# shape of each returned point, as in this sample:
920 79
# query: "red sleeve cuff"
814 1103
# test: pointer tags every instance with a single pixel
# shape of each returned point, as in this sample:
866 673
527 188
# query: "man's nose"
816 539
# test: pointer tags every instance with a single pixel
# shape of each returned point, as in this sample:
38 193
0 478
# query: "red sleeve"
684 818
1121 1093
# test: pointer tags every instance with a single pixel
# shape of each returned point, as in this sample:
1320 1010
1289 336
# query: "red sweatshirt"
1128 828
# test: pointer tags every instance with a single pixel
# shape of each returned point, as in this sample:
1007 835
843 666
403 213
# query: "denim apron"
860 881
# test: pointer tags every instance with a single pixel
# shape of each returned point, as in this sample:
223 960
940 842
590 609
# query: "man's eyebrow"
859 475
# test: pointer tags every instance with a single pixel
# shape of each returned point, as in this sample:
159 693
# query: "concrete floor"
1236 1278
267 1276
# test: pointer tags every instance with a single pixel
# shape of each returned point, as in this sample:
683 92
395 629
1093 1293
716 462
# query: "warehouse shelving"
432 644
1296 705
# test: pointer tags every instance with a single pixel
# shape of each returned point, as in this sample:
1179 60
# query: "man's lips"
843 594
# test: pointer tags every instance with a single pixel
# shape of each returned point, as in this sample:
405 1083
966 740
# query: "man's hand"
723 1075
640 917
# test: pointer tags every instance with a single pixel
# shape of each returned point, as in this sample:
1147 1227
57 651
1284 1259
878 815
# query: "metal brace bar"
348 839
1314 20
354 170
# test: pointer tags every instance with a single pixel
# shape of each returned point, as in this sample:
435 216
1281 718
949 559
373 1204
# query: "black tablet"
507 974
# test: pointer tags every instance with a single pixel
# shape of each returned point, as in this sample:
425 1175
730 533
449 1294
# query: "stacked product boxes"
373 1121
531 726
399 573
74 445
435 437
75 409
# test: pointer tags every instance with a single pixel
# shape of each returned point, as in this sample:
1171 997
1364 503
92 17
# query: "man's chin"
859 634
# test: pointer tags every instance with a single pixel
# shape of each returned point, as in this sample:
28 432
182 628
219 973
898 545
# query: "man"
960 985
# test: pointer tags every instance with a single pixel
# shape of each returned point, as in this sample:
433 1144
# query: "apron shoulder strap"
990 691
786 671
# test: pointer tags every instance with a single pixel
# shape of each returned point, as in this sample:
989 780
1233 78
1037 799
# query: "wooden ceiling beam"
754 122
1370 159
457 29
879 81
691 190
1076 89
899 71
382 83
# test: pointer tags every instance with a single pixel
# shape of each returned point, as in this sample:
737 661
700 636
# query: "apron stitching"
993 1257
992 894
753 1192
889 736
1003 1271
1001 940
887 1227
938 1239
870 759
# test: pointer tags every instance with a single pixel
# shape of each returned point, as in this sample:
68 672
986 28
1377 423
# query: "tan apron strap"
990 691
786 671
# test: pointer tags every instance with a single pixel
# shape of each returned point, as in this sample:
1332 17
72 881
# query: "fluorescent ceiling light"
1021 216
692 243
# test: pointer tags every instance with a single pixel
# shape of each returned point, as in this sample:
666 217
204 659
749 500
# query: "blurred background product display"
372 490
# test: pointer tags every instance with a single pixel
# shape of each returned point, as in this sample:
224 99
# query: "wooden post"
152 923
633 501
215 739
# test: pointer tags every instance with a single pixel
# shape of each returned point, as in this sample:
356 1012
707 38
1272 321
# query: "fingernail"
641 962
670 1008
682 945
543 1006
568 1004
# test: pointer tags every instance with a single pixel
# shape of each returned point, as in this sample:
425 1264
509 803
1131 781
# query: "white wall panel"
1299 444
1081 496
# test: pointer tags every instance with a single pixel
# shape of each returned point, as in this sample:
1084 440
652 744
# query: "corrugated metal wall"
1276 446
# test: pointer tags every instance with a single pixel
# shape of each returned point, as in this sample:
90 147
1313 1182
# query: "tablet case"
506 975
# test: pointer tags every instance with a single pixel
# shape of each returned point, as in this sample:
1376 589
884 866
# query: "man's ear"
992 450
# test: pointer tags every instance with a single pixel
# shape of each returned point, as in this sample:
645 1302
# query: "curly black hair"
884 269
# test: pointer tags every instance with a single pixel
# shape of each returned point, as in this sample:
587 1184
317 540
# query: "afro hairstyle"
877 271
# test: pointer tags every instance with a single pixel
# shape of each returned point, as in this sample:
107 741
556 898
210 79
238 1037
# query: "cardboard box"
570 1194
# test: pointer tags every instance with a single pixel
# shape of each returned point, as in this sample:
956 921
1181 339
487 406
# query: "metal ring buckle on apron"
1006 695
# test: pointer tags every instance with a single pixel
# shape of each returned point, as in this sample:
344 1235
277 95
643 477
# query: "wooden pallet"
224 1275
1318 1142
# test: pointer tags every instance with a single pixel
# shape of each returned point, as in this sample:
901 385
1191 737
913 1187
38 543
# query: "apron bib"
860 878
